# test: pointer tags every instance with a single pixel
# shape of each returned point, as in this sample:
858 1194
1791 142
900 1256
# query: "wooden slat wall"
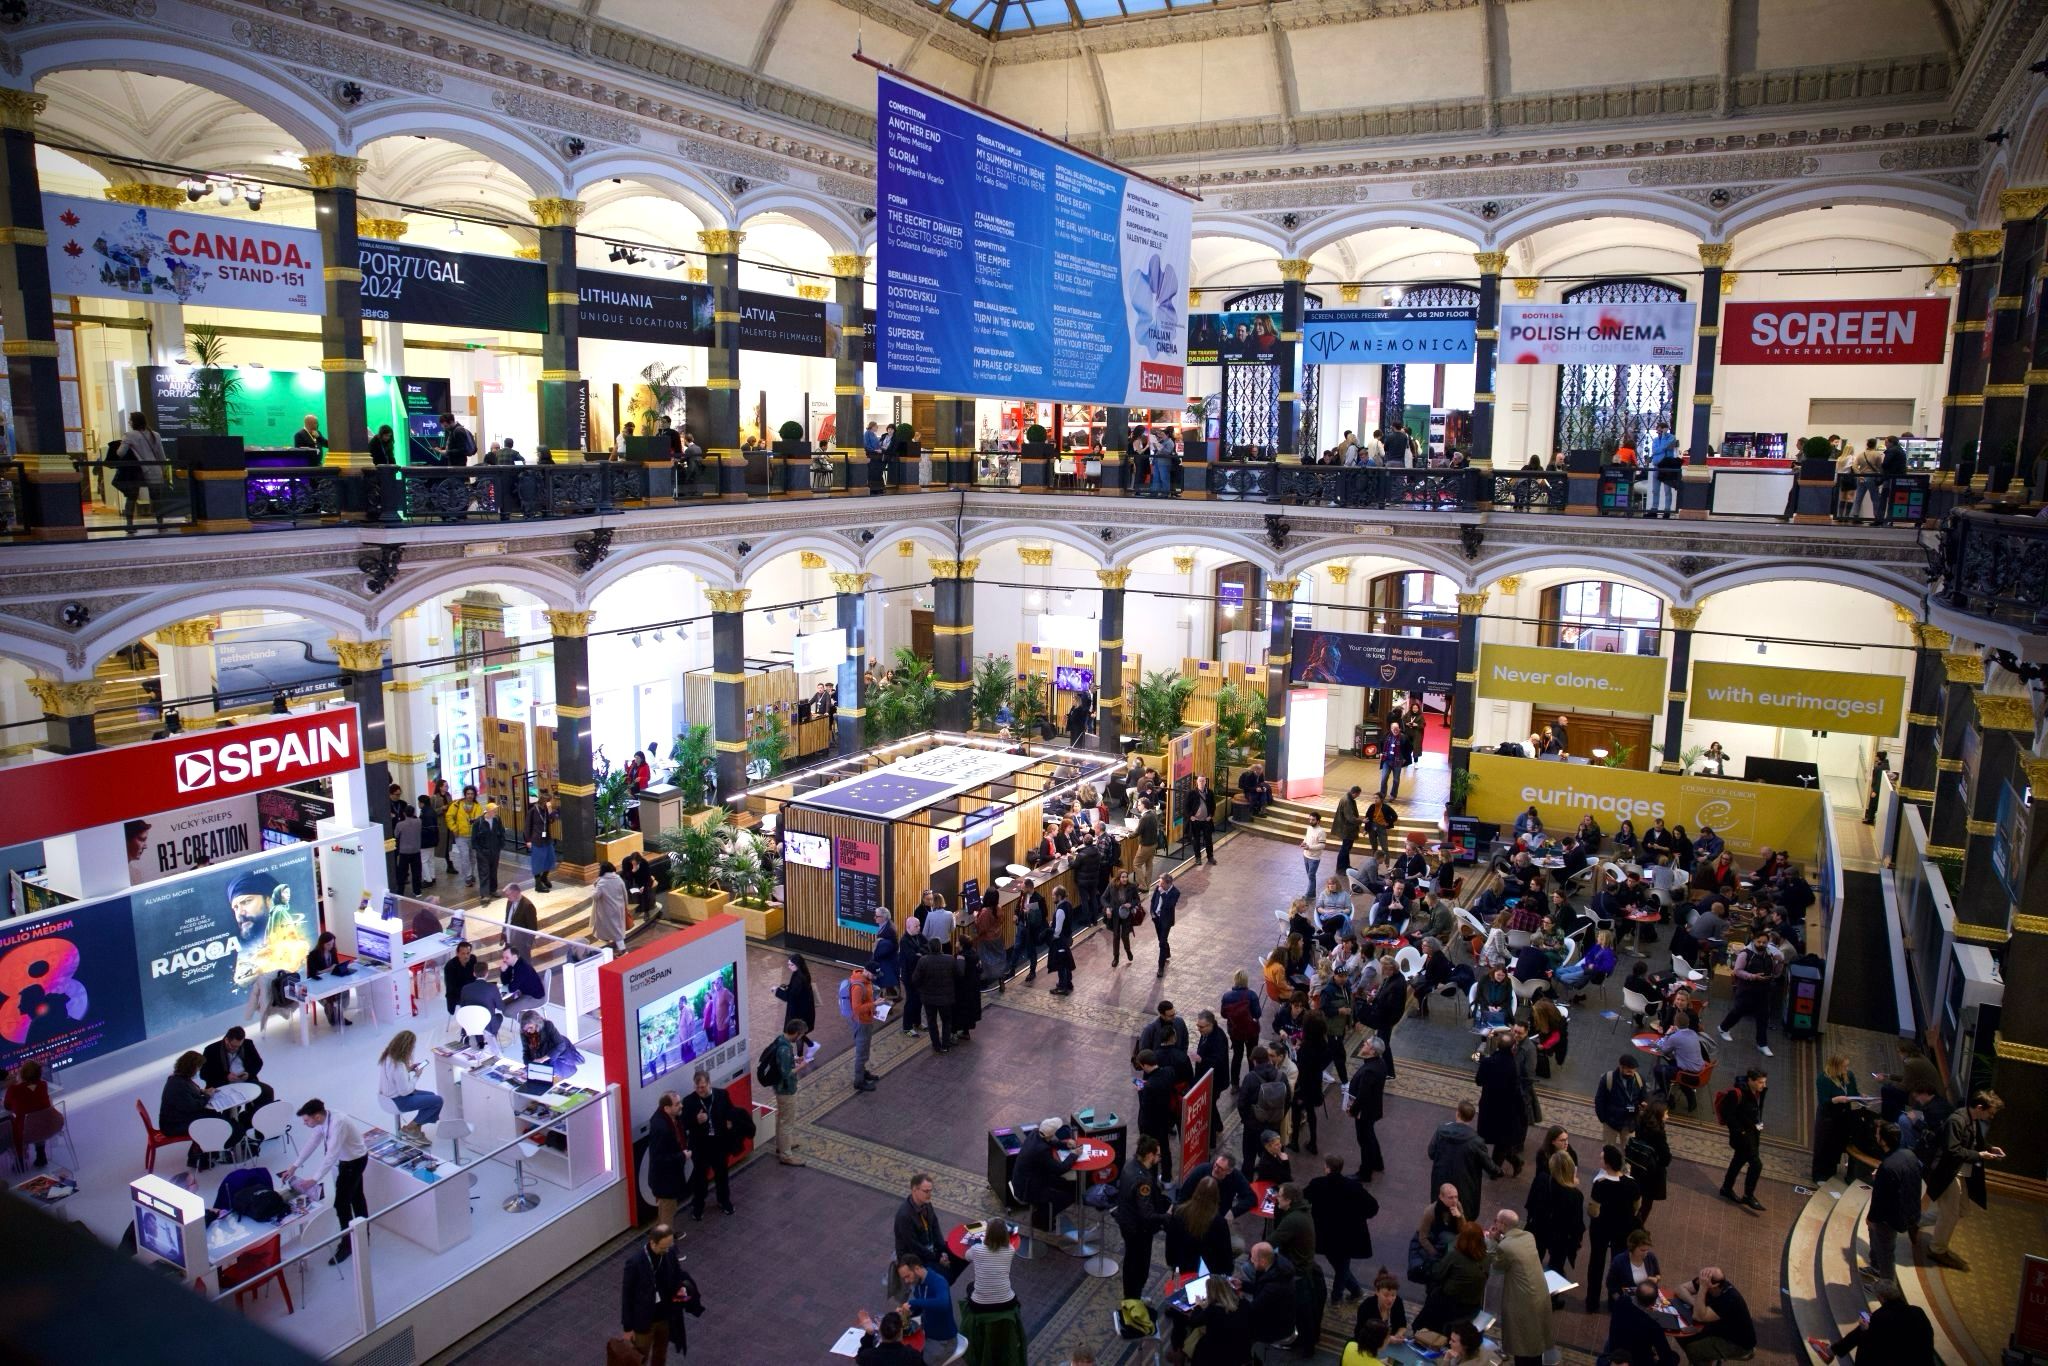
911 847
808 892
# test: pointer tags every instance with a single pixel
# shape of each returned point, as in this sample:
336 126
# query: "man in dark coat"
1142 1205
657 1294
486 842
917 1229
1165 897
1155 1104
1342 1207
1458 1157
1633 1329
1268 1292
708 1119
1365 1100
667 1165
936 974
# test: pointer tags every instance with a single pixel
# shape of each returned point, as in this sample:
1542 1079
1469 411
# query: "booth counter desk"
484 1091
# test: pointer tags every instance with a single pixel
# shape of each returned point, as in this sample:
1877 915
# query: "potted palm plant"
216 397
767 747
693 853
692 756
1240 732
994 677
1161 698
748 873
905 703
615 838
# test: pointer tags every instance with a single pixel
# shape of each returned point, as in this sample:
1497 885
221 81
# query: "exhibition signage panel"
193 837
1250 337
1410 663
403 283
1848 332
258 661
1749 816
1196 1109
1010 266
1596 334
856 883
157 256
1808 699
916 782
1583 678
1369 336
106 786
654 308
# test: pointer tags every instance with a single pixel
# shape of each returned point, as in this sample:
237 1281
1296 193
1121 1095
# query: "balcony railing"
1994 565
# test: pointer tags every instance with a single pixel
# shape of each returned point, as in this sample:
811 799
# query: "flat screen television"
688 1023
1073 678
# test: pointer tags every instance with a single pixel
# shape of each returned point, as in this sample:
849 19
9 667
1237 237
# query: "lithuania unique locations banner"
1579 678
1596 334
121 251
1369 336
1011 267
1849 332
1410 663
403 283
1807 699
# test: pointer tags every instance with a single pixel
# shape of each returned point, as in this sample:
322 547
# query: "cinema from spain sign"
1806 699
1851 332
1572 678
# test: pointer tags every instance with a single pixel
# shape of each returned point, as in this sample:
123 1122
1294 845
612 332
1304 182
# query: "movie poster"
68 987
201 940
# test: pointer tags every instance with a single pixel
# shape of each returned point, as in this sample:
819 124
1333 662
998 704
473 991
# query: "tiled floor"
808 1247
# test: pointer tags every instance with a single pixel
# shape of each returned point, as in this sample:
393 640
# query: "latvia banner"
1850 332
124 251
1596 334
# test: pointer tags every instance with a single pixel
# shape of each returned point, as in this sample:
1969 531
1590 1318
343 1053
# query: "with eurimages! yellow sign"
1809 699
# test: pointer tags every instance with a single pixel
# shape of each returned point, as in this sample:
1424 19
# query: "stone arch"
714 569
698 193
196 62
1090 547
821 216
552 586
1420 556
936 540
2030 155
1329 232
838 555
532 161
1891 583
1639 571
45 655
1650 208
134 620
1244 227
1236 545
1936 201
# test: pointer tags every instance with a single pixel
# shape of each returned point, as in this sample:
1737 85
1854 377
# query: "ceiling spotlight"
225 192
349 93
637 641
195 190
454 228
660 636
252 195
618 253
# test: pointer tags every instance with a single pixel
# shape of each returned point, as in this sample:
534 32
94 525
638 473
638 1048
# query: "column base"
575 872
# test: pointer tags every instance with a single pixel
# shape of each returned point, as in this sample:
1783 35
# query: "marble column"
1917 765
722 370
1279 664
1293 303
409 706
334 178
1109 661
849 386
2034 422
575 766
1713 262
1683 620
1977 256
852 602
2011 336
185 671
729 728
51 501
953 641
1983 906
1947 810
362 667
2019 1066
1464 701
560 353
67 713
1485 357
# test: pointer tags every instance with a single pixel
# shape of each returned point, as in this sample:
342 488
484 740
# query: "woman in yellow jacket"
1366 1340
458 819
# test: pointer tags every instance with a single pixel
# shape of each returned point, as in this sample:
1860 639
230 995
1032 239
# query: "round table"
1647 1040
957 1238
1646 917
1549 863
1016 869
235 1095
1094 1155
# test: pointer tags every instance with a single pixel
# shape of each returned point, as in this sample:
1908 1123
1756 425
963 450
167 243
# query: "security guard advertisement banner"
1579 678
1806 699
1748 816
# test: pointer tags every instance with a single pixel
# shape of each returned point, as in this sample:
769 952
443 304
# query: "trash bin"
1803 980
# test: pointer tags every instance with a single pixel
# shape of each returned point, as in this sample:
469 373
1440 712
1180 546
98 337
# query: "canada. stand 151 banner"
1410 663
1370 336
123 251
1596 334
1012 267
1851 332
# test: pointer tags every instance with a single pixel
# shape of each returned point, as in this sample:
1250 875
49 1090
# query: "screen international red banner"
58 796
1848 332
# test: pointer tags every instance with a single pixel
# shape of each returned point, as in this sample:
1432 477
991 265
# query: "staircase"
564 913
122 700
1284 820
1823 1287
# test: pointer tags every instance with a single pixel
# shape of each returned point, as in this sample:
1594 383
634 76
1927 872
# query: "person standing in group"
787 1060
1393 758
608 908
431 835
522 921
1344 827
1165 897
1667 469
1155 1105
1142 1204
1894 1203
1312 841
1342 1209
1740 1110
1526 1332
1201 818
1059 956
1958 1169
656 1295
460 818
1611 1206
333 1144
540 842
405 834
1148 842
1379 818
667 1165
1365 1102
937 976
857 1004
1240 1007
708 1121
486 842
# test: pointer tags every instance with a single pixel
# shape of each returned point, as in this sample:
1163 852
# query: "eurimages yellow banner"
1572 678
1808 699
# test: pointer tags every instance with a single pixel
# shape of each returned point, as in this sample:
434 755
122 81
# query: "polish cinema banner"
1351 659
1011 266
1372 336
1596 334
230 260
1804 699
1848 332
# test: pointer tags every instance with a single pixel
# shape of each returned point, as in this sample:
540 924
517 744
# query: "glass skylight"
1027 16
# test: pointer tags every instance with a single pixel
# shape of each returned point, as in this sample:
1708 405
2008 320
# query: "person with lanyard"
707 1119
1201 821
333 1145
916 1228
1060 939
656 1294
667 1145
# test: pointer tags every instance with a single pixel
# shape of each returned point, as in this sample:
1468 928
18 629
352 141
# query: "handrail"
1993 565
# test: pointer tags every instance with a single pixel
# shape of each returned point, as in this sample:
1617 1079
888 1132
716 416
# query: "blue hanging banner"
1375 336
1410 663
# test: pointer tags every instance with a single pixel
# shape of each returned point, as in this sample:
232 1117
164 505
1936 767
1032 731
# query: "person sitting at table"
881 1342
1592 968
1590 834
1726 1328
541 1042
521 985
1430 918
1634 1265
28 1094
928 1297
1493 1003
1232 1187
1575 858
1531 962
185 1099
1385 1306
1044 1158
1225 1323
1367 1337
1769 866
1656 840
1333 912
1252 786
1707 846
398 1081
458 972
1682 1049
233 1058
1625 841
1682 850
1529 826
324 958
1549 939
1634 1333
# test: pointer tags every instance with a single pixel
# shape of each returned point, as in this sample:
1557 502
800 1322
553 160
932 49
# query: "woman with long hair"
1224 1324
1457 1283
1196 1231
1832 1089
1649 1158
799 1001
398 1085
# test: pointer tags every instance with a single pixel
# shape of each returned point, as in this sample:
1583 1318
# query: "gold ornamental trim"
1482 396
1472 604
954 569
815 292
720 241
341 275
2005 711
333 171
1728 281
561 376
2025 202
1925 794
1294 269
855 712
1525 288
1035 556
734 679
343 365
1461 742
2005 391
1467 676
855 581
563 298
1922 718
1945 277
1276 721
1675 696
1509 583
1975 246
1982 830
1686 618
1350 294
1274 661
24 237
1703 400
1110 646
1715 255
527 253
1340 574
144 195
573 713
1486 334
848 390
952 630
1113 578
564 788
1964 669
1981 934
358 656
393 756
28 348
1282 590
1966 325
2030 924
65 699
728 599
2037 777
1183 564
1490 262
1948 765
193 632
1929 637
906 548
381 229
725 315
1962 401
1289 396
2019 1052
556 212
950 685
721 384
730 746
573 625
18 109
2034 377
2007 303
848 266
1710 330
809 559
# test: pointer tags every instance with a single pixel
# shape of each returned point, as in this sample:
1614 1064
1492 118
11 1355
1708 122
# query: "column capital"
527 253
196 631
359 656
1472 604
19 108
1340 574
1526 286
1934 638
1964 669
2036 770
1113 578
1490 262
1971 246
1686 618
333 171
65 699
848 266
2005 711
555 212
810 559
1183 564
142 194
574 625
1036 556
1714 255
1282 590
721 241
1509 583
1294 269
954 569
2023 203
381 229
1350 294
728 599
855 581
812 290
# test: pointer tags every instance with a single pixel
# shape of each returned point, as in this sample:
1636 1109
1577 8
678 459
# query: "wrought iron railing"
1241 481
292 493
1531 491
1369 486
1993 565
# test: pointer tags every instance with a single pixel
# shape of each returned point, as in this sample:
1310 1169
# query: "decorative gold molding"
1508 583
527 254
1490 262
381 229
1110 648
1467 676
1294 269
1967 669
952 630
26 347
1461 742
343 365
812 290
64 699
2026 202
1922 718
1709 330
1340 574
1350 294
696 274
1714 255
1113 578
1282 590
359 656
1183 564
569 625
954 569
1675 696
1035 556
855 581
2030 924
573 713
1945 277
393 756
1686 618
1728 280
720 241
2019 1052
953 685
1486 334
809 559
1904 615
193 632
556 212
2005 711
145 195
333 171
855 712
1982 830
24 237
2036 770
1472 604
1981 934
1526 287
2005 391
1972 246
728 599
19 108
1948 765
848 266
1923 794
564 788
1929 637
906 548
341 275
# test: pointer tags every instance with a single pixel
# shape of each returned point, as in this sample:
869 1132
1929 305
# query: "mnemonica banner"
409 284
122 251
1596 334
1410 663
1851 332
1012 267
1370 336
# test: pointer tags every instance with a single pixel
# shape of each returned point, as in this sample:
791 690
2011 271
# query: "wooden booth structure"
1050 665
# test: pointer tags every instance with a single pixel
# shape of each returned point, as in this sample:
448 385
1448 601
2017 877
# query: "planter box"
762 922
613 846
692 819
792 448
687 906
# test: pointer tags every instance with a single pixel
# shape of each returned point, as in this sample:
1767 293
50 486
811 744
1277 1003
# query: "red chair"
247 1274
157 1138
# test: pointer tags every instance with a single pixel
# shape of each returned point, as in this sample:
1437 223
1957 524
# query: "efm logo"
195 771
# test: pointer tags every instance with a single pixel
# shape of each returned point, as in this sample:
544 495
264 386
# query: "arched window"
1418 603
1596 614
1394 378
1601 406
1251 393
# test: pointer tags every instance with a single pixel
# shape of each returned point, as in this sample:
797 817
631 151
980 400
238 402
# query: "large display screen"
1010 266
688 1023
1072 678
811 851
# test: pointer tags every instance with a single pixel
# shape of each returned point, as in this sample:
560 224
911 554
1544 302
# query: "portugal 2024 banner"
1012 267
1596 334
122 251
1852 332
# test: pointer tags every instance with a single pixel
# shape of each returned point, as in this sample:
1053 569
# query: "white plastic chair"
1519 939
1680 880
1636 1004
211 1136
1525 991
275 1121
454 1130
390 1107
1681 967
1574 949
474 1022
959 1346
1408 960
1470 921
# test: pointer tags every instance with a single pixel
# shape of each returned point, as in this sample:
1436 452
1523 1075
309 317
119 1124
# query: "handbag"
1975 1187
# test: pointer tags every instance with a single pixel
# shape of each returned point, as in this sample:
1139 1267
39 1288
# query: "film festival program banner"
1749 816
202 940
68 987
1410 663
1012 267
1852 332
1596 334
123 251
1369 336
1572 678
1804 699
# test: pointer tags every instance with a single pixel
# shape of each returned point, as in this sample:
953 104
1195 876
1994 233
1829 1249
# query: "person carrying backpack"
857 1008
1740 1110
1240 1007
777 1070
